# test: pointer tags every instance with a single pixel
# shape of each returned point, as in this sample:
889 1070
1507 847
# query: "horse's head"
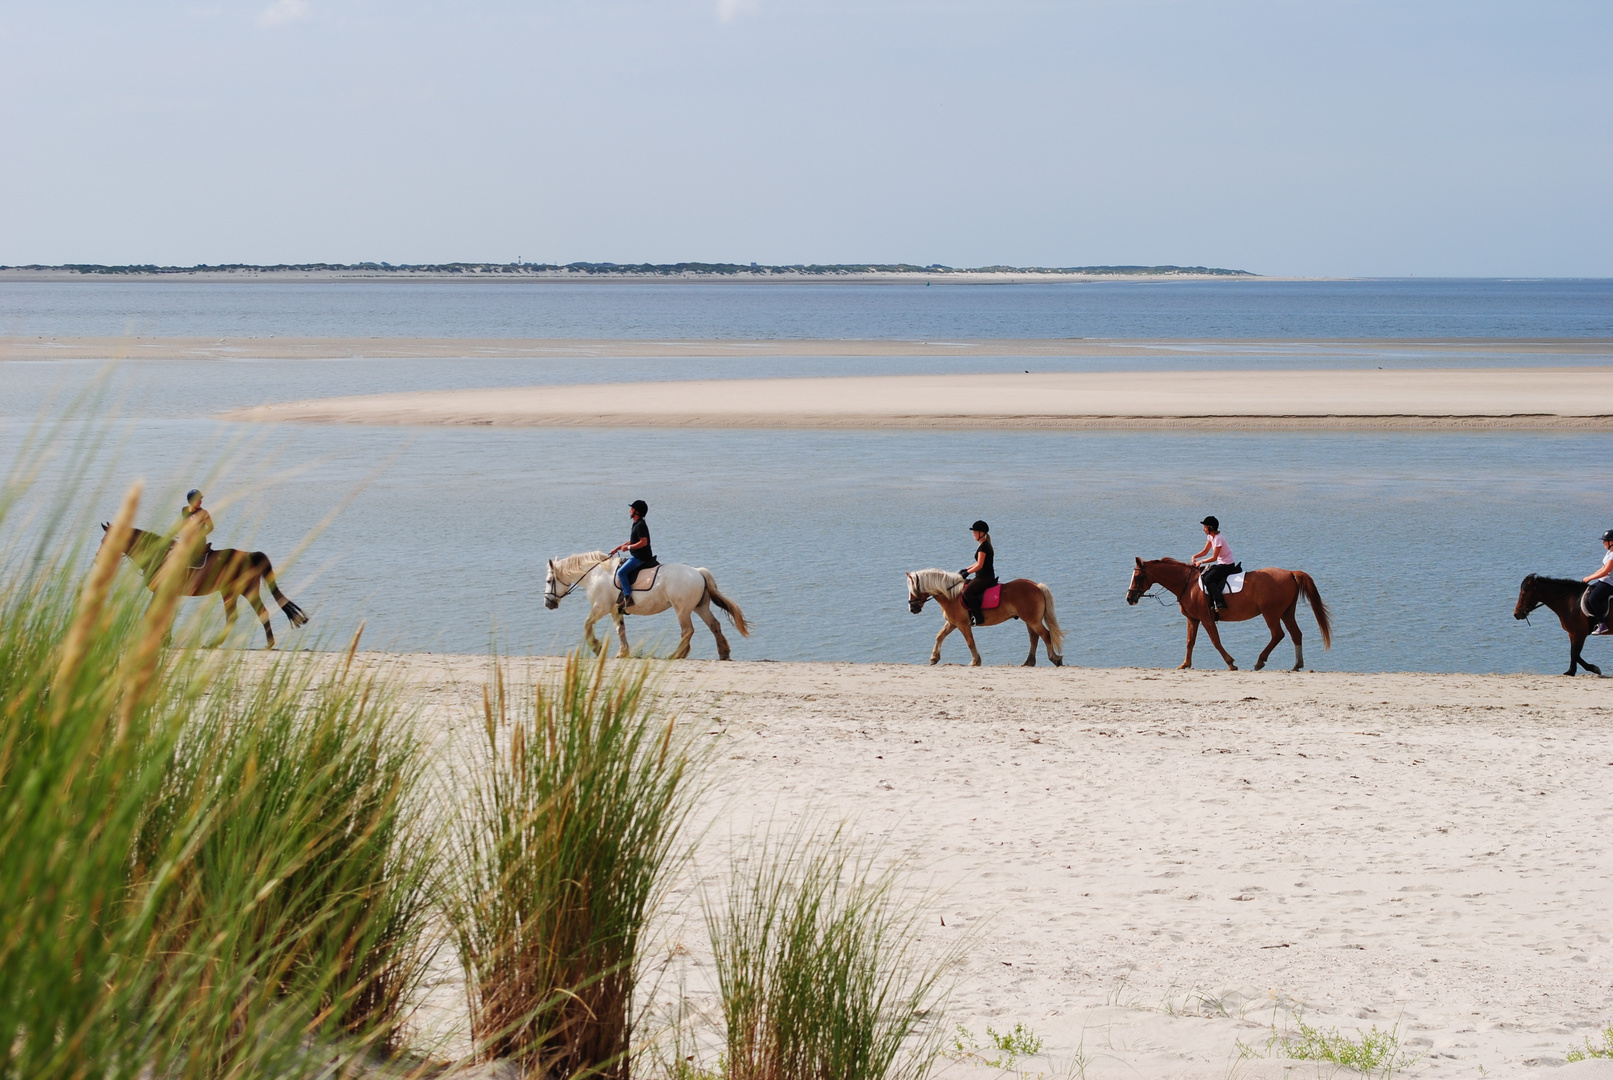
1528 598
551 588
1139 583
915 596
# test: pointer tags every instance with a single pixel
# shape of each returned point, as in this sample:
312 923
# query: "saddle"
645 581
1233 583
991 597
1585 604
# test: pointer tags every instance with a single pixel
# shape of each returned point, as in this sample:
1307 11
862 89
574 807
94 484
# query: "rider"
639 555
1602 585
983 569
192 513
1216 558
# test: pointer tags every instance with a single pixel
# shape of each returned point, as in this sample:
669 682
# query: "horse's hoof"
1184 666
1058 661
1232 667
934 660
1261 666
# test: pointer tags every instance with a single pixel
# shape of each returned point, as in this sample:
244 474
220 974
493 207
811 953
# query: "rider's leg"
624 579
1600 592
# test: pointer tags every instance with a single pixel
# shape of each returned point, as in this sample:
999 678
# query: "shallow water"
1417 540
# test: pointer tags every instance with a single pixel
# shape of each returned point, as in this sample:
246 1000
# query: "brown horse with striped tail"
227 571
1270 593
1021 598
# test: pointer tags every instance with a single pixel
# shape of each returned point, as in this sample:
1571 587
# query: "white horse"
685 589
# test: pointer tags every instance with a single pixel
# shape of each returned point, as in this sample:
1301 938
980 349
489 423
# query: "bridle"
1135 592
555 598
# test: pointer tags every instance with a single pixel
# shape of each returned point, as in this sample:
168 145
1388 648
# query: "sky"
1338 138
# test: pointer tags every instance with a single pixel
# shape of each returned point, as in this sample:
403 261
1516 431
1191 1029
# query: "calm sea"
1418 541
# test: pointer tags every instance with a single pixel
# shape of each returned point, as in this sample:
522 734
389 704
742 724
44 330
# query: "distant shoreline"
516 273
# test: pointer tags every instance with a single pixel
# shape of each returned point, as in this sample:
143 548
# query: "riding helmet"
640 507
980 526
1607 536
192 495
1215 526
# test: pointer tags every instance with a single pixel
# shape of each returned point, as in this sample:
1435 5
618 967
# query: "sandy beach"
1465 398
1158 866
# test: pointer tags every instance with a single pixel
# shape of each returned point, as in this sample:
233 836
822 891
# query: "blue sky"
1410 137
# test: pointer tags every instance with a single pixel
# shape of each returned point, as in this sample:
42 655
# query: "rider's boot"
1601 629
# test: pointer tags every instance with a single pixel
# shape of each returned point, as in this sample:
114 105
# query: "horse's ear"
106 526
1139 559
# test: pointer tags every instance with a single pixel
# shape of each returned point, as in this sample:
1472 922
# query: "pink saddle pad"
991 597
645 580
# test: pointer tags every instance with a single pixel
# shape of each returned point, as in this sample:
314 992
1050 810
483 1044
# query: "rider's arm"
1606 569
980 561
1209 546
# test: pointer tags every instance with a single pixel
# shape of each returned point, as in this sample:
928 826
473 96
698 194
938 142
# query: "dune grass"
565 845
820 967
210 866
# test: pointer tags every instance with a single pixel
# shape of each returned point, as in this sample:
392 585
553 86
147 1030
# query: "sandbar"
1158 865
1447 398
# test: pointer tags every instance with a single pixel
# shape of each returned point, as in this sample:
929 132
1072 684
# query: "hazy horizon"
1366 139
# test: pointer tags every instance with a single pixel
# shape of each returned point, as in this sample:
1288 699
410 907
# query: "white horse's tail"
736 616
1050 620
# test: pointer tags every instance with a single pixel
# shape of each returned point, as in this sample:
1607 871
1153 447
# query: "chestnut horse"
226 571
1561 595
1021 598
1271 593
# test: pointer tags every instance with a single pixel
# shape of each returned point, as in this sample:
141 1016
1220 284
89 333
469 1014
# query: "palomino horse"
1270 593
685 589
1562 596
230 573
1021 598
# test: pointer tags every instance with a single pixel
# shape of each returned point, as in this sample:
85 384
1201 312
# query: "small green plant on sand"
1005 1050
1591 1050
1371 1051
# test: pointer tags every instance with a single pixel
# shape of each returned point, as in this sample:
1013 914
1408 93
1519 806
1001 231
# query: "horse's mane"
1168 559
938 582
1558 582
571 566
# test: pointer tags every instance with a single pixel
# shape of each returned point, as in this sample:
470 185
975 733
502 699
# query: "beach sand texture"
1459 398
1159 864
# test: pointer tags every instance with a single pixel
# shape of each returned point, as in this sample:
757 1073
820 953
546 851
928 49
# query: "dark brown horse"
1270 593
1021 598
1562 596
230 573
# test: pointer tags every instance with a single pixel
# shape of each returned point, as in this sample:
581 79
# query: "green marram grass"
210 865
1372 1052
820 965
1591 1050
572 827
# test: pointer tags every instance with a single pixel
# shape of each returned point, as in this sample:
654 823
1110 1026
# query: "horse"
1562 596
685 589
1271 593
226 571
1021 598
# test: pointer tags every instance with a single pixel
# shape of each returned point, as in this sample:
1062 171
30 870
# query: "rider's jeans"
625 575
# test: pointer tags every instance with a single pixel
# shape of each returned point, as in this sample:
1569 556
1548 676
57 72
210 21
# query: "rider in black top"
639 555
984 570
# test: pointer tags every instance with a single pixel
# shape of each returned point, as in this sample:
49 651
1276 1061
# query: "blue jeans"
625 575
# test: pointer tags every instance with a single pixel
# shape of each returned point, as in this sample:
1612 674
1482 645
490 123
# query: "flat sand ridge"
1393 399
1158 864
331 348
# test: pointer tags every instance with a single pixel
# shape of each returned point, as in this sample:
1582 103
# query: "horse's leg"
946 628
1293 631
595 646
969 640
1030 661
263 616
1215 639
686 625
229 618
1274 621
621 629
1576 642
704 611
1192 636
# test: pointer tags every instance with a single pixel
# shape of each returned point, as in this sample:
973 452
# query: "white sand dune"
1456 397
1160 864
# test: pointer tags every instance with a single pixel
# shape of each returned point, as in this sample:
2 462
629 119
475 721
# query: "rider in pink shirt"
1216 558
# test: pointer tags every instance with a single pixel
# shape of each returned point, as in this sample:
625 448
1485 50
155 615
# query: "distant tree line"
637 269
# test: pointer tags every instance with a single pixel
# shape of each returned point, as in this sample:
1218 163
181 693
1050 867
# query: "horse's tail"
297 615
734 614
1055 632
1319 609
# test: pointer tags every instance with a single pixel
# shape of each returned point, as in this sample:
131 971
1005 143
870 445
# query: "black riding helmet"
193 496
640 507
980 526
1607 536
1212 522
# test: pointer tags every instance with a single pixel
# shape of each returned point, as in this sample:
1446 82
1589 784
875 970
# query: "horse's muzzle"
550 604
915 606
